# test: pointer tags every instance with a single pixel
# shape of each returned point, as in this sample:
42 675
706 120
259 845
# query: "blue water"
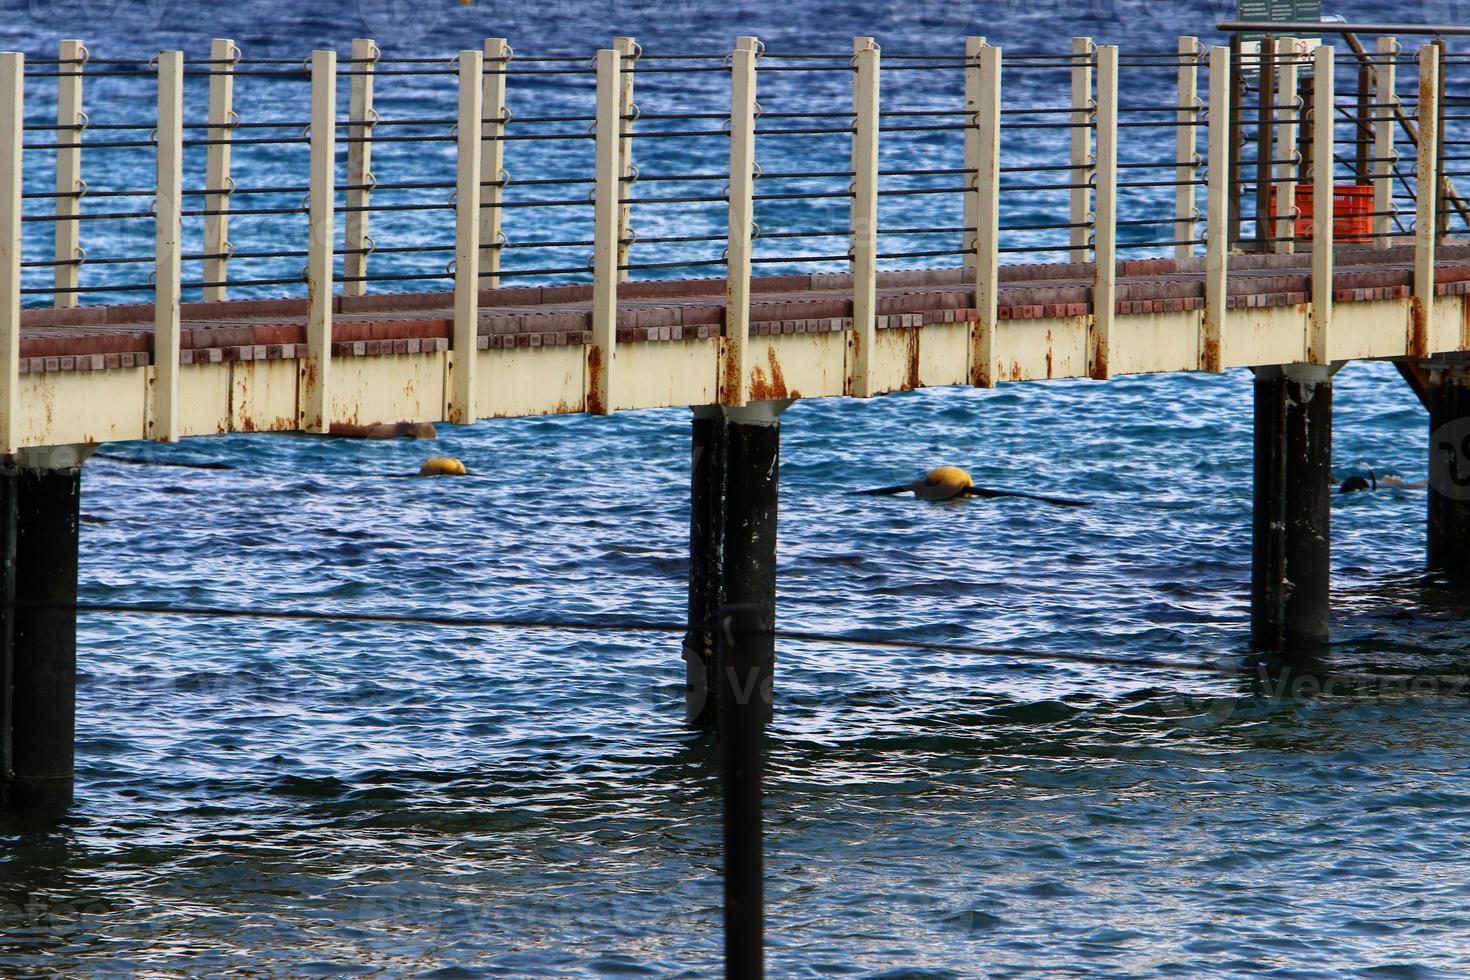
285 799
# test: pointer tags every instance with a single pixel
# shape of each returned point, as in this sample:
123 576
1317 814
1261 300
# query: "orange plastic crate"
1352 212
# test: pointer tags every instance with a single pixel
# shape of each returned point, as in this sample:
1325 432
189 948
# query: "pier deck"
85 378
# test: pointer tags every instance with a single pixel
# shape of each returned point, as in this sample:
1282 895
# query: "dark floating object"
134 461
1358 482
949 482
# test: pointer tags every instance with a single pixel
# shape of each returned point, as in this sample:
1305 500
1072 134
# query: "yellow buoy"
442 466
942 483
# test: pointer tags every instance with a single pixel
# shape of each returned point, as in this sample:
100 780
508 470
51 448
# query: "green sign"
1279 11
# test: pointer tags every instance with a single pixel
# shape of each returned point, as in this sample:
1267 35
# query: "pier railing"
337 175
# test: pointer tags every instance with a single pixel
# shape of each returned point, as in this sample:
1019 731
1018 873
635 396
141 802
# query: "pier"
1170 249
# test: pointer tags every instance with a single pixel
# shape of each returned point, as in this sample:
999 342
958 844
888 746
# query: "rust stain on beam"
594 381
763 389
1418 328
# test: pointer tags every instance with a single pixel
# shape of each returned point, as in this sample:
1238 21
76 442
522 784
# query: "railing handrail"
1309 27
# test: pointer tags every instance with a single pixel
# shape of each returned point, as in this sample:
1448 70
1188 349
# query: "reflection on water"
301 798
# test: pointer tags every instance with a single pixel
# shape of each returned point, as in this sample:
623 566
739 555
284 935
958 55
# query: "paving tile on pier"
95 338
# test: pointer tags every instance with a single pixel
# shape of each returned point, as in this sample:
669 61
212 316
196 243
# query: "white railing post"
1427 189
12 121
608 191
982 102
163 421
973 97
492 158
1217 213
1288 50
223 55
316 400
464 351
627 109
864 216
741 222
1082 107
1186 115
1105 239
1323 210
356 241
70 122
1385 156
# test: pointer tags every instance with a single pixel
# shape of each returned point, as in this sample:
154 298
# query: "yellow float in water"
950 482
942 483
442 466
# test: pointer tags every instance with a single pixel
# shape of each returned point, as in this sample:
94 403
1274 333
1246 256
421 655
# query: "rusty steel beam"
1265 142
1447 187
